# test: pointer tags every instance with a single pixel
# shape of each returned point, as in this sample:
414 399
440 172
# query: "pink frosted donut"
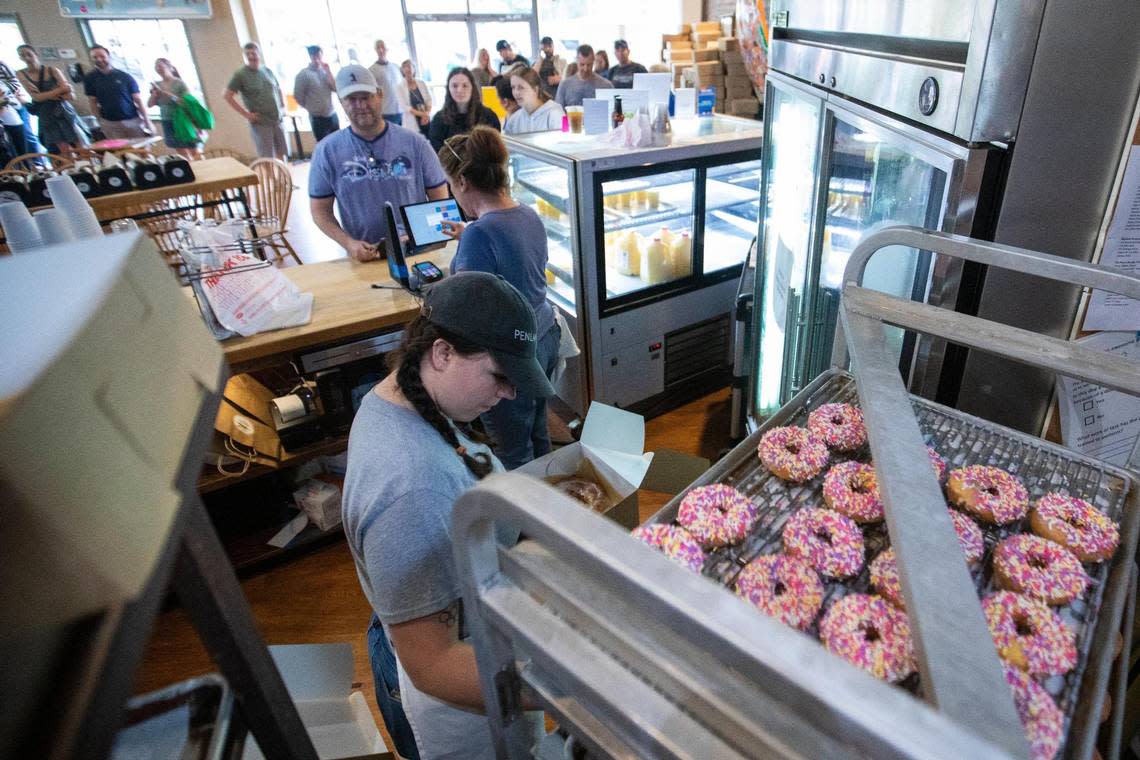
989 493
885 567
792 453
1039 714
871 634
937 462
850 488
717 515
828 541
1076 525
675 543
1030 636
839 425
782 587
1039 568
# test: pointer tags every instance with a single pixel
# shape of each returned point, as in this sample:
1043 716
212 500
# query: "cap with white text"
490 312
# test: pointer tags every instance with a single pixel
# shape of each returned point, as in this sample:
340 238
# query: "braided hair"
419 337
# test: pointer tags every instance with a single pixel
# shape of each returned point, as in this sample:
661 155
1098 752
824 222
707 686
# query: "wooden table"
219 177
345 307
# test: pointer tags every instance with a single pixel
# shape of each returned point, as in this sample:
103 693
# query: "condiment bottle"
618 115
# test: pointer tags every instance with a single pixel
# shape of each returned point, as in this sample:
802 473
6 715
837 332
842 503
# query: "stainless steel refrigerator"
931 114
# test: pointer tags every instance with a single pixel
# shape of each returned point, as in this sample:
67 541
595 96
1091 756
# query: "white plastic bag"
634 132
247 301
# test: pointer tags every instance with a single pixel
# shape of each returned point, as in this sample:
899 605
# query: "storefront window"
10 38
600 22
135 44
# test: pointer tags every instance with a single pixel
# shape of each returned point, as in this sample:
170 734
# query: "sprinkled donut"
885 567
850 488
1030 636
782 587
1039 568
937 462
988 493
828 541
792 453
839 425
871 634
1076 525
1039 714
716 515
675 543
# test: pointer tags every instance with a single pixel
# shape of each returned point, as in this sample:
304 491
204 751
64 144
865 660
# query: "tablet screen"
424 221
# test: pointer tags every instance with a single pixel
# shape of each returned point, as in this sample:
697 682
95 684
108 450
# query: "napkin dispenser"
177 170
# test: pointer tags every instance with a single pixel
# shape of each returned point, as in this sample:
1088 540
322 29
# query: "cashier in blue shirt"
507 239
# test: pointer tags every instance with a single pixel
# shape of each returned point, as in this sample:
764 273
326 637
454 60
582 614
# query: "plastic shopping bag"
245 297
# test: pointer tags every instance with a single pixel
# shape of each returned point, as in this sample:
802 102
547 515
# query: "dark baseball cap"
488 311
621 44
502 44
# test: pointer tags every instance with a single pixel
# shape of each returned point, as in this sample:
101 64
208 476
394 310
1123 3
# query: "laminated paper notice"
1109 311
1097 421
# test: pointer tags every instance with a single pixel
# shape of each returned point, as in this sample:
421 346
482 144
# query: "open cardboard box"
319 679
611 452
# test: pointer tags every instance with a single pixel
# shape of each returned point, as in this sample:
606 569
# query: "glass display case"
645 248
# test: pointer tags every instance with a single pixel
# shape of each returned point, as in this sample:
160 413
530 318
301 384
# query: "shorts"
269 140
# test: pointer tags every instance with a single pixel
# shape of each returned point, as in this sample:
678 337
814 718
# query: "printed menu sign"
1096 421
1108 311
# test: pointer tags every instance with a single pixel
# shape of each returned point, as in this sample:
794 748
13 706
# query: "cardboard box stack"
700 56
739 92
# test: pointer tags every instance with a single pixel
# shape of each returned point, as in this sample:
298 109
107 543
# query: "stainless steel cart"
640 658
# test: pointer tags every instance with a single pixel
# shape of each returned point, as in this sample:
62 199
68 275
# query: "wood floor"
316 598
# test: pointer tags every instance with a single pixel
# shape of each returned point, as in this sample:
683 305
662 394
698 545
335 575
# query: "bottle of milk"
681 256
656 265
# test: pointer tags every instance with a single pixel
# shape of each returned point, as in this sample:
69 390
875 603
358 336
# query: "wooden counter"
345 307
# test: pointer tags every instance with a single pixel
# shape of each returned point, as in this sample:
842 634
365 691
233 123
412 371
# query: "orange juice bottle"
656 264
681 256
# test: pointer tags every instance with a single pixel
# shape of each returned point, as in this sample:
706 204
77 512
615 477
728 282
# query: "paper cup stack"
54 227
20 230
74 208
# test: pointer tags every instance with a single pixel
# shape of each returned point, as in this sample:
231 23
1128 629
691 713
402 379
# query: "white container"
629 255
657 263
66 197
54 227
20 231
681 256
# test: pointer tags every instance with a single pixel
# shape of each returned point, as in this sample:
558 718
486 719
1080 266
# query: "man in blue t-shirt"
367 163
114 97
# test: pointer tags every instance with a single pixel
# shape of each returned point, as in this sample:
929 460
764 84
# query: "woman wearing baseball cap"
410 456
507 238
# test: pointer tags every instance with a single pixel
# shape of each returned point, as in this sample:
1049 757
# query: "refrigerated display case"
646 248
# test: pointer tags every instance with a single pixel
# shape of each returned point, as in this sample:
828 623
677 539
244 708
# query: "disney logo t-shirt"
397 166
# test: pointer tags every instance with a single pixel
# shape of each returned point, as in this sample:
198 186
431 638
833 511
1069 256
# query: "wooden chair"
271 197
30 162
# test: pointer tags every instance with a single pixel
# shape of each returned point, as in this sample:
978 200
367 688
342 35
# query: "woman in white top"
537 112
415 97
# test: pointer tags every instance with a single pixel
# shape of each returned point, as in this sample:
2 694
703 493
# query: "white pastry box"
611 452
337 719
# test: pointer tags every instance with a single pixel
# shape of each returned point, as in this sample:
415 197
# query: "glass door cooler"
835 171
646 248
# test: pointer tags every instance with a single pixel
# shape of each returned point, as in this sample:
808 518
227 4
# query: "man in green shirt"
262 105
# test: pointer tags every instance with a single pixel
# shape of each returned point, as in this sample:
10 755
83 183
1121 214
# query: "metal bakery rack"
638 657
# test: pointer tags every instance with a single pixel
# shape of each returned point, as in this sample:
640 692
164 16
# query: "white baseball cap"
354 78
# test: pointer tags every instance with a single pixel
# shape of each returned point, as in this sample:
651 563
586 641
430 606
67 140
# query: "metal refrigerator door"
788 198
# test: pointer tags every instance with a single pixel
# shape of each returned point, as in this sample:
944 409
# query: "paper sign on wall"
1097 421
1108 311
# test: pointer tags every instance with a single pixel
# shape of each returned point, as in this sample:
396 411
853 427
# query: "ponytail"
419 337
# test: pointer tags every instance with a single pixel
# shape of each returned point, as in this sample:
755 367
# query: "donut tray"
962 440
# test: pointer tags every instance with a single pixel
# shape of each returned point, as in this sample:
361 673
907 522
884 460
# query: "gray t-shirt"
622 76
511 243
388 76
397 166
400 486
571 90
312 91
